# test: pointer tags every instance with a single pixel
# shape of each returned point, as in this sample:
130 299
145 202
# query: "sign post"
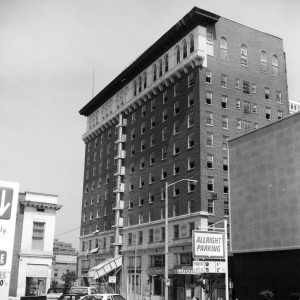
8 211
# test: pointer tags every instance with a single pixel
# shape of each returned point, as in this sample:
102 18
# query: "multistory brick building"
167 117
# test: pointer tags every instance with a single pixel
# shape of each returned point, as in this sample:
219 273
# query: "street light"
167 281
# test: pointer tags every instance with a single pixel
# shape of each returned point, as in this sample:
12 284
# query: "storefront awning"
105 267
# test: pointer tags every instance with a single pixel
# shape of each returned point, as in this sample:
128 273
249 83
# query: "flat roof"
193 18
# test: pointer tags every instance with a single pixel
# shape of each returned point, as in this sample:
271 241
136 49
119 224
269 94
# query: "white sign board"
9 192
209 266
112 279
207 244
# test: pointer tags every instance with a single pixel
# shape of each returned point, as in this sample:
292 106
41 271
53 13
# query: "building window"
244 55
132 150
247 108
191 79
253 88
223 48
247 125
166 61
254 108
160 69
278 97
152 122
208 77
209 118
210 139
210 43
176 190
263 62
152 104
191 140
175 168
164 174
224 101
141 218
267 93
143 128
224 81
143 112
177 50
275 64
151 197
184 49
225 186
165 97
268 113
237 83
226 208
192 46
176 127
176 148
143 145
141 201
191 188
152 158
154 74
225 143
208 98
152 140
279 114
164 134
246 87
191 163
210 184
225 164
142 163
164 115
191 120
145 79
175 210
132 134
238 104
210 206
38 235
150 235
176 232
176 108
176 89
164 152
239 124
190 99
224 122
210 161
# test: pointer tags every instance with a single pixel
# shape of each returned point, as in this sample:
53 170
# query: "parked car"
55 293
69 297
83 290
104 297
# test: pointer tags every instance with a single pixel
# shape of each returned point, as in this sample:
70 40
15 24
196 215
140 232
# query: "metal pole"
166 243
135 250
226 262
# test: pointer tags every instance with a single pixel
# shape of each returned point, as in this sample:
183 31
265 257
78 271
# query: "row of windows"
244 55
162 65
98 243
246 86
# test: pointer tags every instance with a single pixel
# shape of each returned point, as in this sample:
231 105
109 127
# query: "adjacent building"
33 244
294 106
265 209
167 118
65 260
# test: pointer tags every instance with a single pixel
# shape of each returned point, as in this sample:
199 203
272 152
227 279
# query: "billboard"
208 244
8 211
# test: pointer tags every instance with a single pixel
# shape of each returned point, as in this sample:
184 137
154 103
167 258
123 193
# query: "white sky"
48 49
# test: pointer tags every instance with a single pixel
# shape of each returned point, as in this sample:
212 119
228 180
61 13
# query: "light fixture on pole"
167 281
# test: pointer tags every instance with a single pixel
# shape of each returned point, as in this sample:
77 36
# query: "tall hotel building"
167 117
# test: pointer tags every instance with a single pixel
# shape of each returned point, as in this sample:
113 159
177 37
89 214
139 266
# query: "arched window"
140 83
154 72
160 71
275 64
166 60
184 49
244 55
177 54
223 48
192 46
263 62
145 79
210 43
134 88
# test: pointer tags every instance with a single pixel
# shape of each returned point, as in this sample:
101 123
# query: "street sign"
8 211
208 244
209 266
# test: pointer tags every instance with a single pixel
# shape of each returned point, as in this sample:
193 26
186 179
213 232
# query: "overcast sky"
48 49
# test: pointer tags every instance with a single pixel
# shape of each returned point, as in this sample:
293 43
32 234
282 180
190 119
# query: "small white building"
33 244
294 106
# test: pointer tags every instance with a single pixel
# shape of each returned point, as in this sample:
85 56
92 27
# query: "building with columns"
167 118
